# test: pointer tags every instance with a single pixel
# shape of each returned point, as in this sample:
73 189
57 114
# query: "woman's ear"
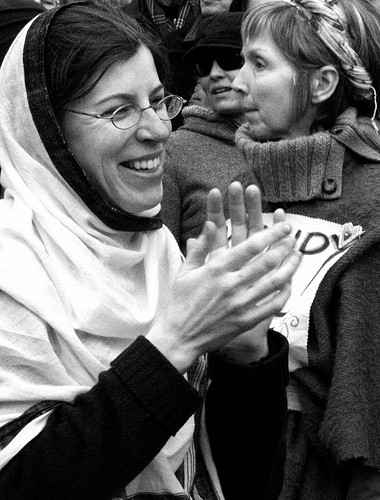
323 83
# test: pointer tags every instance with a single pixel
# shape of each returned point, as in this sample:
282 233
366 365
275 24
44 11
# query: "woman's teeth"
221 90
146 164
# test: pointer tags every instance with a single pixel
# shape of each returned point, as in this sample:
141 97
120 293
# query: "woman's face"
125 166
266 83
218 88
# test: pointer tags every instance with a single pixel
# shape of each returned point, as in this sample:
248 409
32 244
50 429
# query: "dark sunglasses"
226 61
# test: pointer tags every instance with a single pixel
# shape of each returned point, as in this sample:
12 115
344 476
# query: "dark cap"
218 31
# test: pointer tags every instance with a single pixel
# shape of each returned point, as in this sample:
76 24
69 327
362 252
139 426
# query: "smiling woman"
128 172
103 327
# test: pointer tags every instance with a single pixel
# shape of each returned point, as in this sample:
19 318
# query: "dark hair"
300 44
83 41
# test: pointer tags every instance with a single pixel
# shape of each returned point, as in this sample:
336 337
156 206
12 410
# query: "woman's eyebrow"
126 96
250 54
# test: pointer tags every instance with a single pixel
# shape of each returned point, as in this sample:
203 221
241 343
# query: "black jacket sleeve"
245 419
91 448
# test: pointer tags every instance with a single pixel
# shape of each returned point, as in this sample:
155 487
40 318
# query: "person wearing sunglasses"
202 154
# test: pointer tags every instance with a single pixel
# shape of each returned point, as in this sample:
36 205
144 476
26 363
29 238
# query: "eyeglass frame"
154 107
55 3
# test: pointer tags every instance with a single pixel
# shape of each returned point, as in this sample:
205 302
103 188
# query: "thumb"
199 248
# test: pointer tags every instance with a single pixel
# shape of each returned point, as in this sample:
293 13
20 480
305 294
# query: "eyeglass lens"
128 115
228 62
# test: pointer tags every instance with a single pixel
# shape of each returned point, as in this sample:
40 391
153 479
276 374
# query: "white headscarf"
74 292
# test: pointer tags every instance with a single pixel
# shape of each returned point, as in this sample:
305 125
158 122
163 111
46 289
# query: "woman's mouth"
221 90
152 164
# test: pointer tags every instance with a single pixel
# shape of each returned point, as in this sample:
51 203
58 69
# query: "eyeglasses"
226 61
128 115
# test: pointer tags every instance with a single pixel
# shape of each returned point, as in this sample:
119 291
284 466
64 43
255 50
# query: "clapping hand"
222 293
245 220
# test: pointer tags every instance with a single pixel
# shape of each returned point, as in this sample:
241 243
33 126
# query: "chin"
150 212
149 209
259 135
225 110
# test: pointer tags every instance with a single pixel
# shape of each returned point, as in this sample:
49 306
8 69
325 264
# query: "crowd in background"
282 95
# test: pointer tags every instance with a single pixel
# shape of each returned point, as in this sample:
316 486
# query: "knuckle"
279 278
276 280
234 304
270 261
214 267
279 302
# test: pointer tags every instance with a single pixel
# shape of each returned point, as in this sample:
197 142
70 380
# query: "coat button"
329 186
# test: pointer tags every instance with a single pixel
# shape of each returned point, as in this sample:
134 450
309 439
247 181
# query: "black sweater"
93 447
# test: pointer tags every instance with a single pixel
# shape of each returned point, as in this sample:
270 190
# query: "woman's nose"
239 83
216 70
152 128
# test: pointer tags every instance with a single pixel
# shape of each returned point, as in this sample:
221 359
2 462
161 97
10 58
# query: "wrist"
173 351
244 355
271 374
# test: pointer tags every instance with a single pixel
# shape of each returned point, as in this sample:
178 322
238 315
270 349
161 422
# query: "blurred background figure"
243 5
176 23
202 154
14 14
209 7
114 3
170 20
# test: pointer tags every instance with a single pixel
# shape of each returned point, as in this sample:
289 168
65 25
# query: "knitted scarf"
331 176
157 13
308 167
